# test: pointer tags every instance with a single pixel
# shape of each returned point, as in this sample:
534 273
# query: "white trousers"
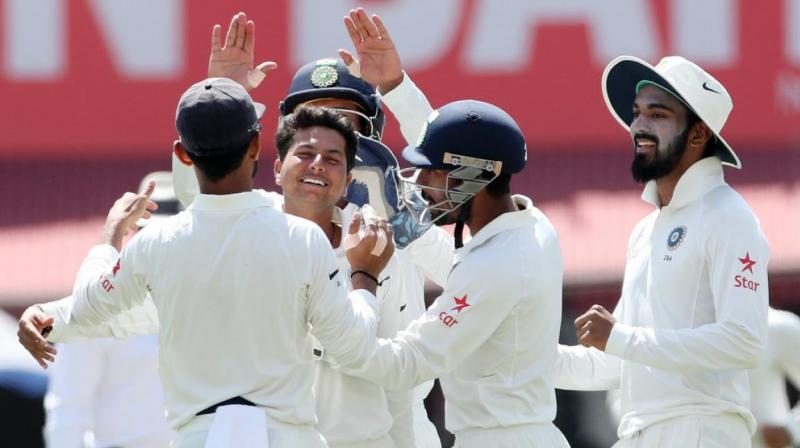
522 436
194 434
706 431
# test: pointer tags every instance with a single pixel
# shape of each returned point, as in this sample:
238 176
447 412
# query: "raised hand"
377 60
235 59
123 215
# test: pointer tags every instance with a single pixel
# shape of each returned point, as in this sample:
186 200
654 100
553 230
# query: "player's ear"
277 168
180 153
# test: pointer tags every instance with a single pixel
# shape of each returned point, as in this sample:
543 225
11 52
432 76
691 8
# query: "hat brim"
290 103
412 155
620 79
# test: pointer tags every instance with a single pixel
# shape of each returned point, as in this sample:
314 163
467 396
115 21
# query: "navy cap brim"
412 155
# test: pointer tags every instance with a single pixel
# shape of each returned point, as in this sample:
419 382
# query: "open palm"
235 60
377 55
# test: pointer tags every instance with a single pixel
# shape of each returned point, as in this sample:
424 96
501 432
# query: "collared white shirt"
779 362
693 313
239 286
491 336
107 387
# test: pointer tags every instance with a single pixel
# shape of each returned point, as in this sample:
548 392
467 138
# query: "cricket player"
693 313
497 384
778 424
107 390
372 180
223 385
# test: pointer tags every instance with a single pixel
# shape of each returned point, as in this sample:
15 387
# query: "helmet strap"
463 216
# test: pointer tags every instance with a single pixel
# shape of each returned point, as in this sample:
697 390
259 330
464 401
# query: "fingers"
230 38
249 44
383 33
216 38
365 23
355 224
352 31
241 25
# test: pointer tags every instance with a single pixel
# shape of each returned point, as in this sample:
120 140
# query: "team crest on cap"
324 76
676 237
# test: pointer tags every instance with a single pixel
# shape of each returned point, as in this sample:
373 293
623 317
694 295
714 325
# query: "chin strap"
463 216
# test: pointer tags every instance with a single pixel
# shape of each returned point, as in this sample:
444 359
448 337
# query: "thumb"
149 189
266 67
355 224
351 62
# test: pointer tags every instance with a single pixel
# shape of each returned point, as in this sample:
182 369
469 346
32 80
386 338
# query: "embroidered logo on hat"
324 76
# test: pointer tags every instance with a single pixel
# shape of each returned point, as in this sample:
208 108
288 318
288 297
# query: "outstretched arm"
377 60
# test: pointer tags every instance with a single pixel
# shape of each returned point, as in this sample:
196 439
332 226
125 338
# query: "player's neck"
238 181
486 208
320 216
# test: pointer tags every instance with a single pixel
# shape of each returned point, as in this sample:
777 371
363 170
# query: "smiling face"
313 174
660 132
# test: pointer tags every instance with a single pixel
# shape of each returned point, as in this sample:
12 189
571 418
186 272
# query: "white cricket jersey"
239 286
693 313
110 388
351 409
781 361
491 336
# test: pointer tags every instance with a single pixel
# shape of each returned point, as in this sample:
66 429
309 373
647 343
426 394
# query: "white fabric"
539 436
705 431
691 319
281 435
107 387
492 335
232 275
238 426
780 362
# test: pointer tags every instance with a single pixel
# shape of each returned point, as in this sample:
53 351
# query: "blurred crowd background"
88 90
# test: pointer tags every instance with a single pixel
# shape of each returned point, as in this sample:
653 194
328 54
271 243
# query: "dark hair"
307 116
216 167
691 120
500 185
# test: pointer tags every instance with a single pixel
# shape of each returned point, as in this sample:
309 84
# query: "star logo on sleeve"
115 269
747 263
461 303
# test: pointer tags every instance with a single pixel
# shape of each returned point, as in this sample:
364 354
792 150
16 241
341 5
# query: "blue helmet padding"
374 178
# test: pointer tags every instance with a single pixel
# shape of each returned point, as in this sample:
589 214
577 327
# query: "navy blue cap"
217 116
472 129
330 78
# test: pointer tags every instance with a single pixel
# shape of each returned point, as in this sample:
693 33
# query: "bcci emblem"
324 76
676 237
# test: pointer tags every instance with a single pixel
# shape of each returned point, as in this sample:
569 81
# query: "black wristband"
367 274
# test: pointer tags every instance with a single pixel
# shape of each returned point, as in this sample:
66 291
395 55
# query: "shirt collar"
236 201
702 177
525 216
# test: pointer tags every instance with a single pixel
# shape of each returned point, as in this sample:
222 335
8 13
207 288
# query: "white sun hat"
163 195
692 85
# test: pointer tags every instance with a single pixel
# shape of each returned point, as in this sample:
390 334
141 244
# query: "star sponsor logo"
115 269
447 318
740 281
747 262
461 303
